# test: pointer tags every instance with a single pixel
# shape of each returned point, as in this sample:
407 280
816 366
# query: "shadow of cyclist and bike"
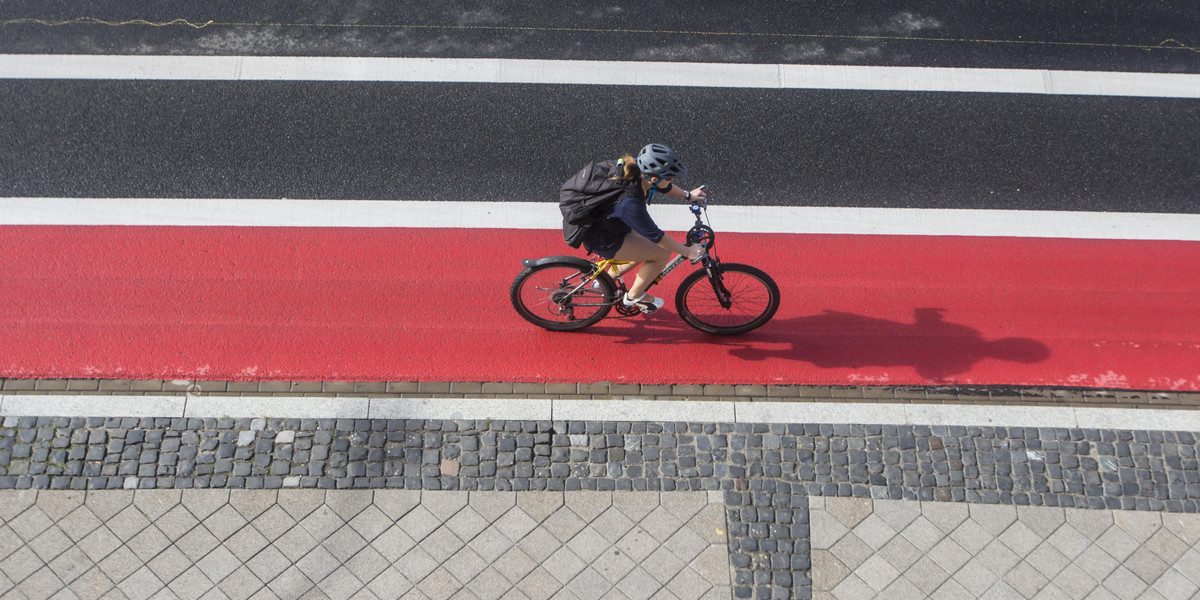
937 349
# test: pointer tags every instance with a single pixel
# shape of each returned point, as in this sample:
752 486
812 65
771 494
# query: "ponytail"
630 171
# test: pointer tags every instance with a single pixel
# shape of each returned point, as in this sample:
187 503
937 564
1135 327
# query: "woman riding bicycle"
630 234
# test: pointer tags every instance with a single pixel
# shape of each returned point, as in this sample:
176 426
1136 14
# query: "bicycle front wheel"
751 294
556 297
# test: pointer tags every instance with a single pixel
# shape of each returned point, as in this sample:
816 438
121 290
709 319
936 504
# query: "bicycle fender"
573 260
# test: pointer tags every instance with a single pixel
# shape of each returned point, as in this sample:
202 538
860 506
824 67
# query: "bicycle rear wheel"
551 296
752 296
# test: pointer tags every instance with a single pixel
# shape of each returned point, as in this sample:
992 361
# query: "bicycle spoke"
751 298
555 295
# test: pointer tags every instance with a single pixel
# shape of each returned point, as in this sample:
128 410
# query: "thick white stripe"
545 215
636 410
488 70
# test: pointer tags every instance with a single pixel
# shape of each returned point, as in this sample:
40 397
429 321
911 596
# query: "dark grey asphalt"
468 142
1136 35
518 143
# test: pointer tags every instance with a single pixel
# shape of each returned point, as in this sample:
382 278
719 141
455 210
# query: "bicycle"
568 293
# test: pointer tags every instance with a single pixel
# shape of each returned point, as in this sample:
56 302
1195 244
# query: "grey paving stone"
20 564
176 522
515 524
993 568
240 584
514 565
219 564
322 522
98 544
416 565
490 544
197 543
273 522
419 523
268 564
91 585
168 564
661 524
442 544
190 585
50 543
539 505
318 563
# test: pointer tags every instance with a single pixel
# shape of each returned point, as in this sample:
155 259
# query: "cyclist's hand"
695 252
699 194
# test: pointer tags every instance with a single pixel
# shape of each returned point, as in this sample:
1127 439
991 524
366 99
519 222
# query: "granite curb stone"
1008 395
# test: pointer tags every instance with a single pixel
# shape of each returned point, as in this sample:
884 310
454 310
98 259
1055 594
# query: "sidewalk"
365 544
550 505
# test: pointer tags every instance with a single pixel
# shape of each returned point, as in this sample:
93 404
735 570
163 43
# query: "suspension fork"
713 267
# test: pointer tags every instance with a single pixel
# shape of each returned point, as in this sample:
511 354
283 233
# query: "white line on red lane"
485 70
544 215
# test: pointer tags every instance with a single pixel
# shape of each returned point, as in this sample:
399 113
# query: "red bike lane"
405 304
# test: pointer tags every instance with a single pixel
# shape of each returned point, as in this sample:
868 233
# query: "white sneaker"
647 304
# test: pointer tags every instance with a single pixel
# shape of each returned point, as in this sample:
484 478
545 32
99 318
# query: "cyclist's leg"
653 258
625 268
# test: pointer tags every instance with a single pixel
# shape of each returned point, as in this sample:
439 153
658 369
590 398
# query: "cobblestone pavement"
892 549
764 474
240 544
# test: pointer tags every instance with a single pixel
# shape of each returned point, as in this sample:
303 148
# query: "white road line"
606 410
545 215
489 70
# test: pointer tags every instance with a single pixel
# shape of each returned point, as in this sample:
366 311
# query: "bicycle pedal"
647 304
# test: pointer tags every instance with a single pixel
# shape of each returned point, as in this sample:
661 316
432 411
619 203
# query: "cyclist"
629 234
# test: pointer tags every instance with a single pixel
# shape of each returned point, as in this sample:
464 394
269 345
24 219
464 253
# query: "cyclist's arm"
678 192
638 219
667 242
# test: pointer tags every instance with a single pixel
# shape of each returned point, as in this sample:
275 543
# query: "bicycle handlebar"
703 203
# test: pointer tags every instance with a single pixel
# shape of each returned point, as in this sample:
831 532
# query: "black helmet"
657 159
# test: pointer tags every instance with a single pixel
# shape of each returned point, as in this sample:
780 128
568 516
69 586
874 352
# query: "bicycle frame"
609 263
709 260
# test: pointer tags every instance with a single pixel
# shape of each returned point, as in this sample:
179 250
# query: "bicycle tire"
755 298
537 295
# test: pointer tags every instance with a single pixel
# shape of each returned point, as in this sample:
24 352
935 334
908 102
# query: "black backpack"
586 198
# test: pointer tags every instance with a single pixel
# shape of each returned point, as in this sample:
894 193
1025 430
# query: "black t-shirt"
629 214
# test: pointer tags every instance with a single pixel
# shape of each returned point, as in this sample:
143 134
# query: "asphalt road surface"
505 142
1160 36
508 142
